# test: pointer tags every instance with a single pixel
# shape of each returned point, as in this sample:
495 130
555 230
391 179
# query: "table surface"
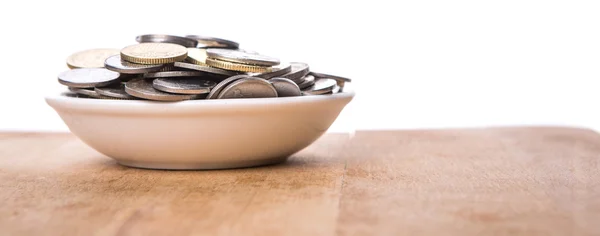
500 181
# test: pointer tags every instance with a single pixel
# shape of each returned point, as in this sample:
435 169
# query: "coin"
72 94
214 92
114 90
93 58
127 77
236 56
115 63
184 85
301 80
236 66
249 87
321 86
211 42
309 80
299 70
173 68
336 89
87 77
142 88
285 87
247 51
167 67
163 38
154 53
197 56
277 71
167 74
340 80
87 92
206 69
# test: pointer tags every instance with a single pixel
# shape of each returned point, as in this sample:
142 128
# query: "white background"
415 64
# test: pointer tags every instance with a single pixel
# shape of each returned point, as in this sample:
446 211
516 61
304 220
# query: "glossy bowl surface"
200 134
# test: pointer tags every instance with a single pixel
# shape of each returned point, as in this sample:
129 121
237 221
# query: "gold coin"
235 66
93 58
154 53
197 56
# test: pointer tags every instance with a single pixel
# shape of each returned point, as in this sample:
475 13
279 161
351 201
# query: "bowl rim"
72 104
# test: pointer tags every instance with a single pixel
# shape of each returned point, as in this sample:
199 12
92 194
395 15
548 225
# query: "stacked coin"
175 68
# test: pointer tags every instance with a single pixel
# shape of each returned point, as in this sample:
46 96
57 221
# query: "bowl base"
201 166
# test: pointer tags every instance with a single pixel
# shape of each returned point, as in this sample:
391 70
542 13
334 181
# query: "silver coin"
336 89
114 90
277 71
87 92
309 80
340 80
163 38
169 74
87 77
142 88
299 70
241 57
115 63
248 51
285 87
248 88
212 42
168 67
72 94
206 69
321 86
183 85
301 80
214 92
127 77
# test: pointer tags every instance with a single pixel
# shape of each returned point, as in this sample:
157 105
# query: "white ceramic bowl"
200 134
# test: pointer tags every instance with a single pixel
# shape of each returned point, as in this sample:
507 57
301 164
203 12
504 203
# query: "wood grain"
499 181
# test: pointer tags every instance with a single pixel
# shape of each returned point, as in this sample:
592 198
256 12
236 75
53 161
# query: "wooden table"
500 181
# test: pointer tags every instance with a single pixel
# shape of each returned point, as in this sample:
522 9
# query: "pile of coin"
176 68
